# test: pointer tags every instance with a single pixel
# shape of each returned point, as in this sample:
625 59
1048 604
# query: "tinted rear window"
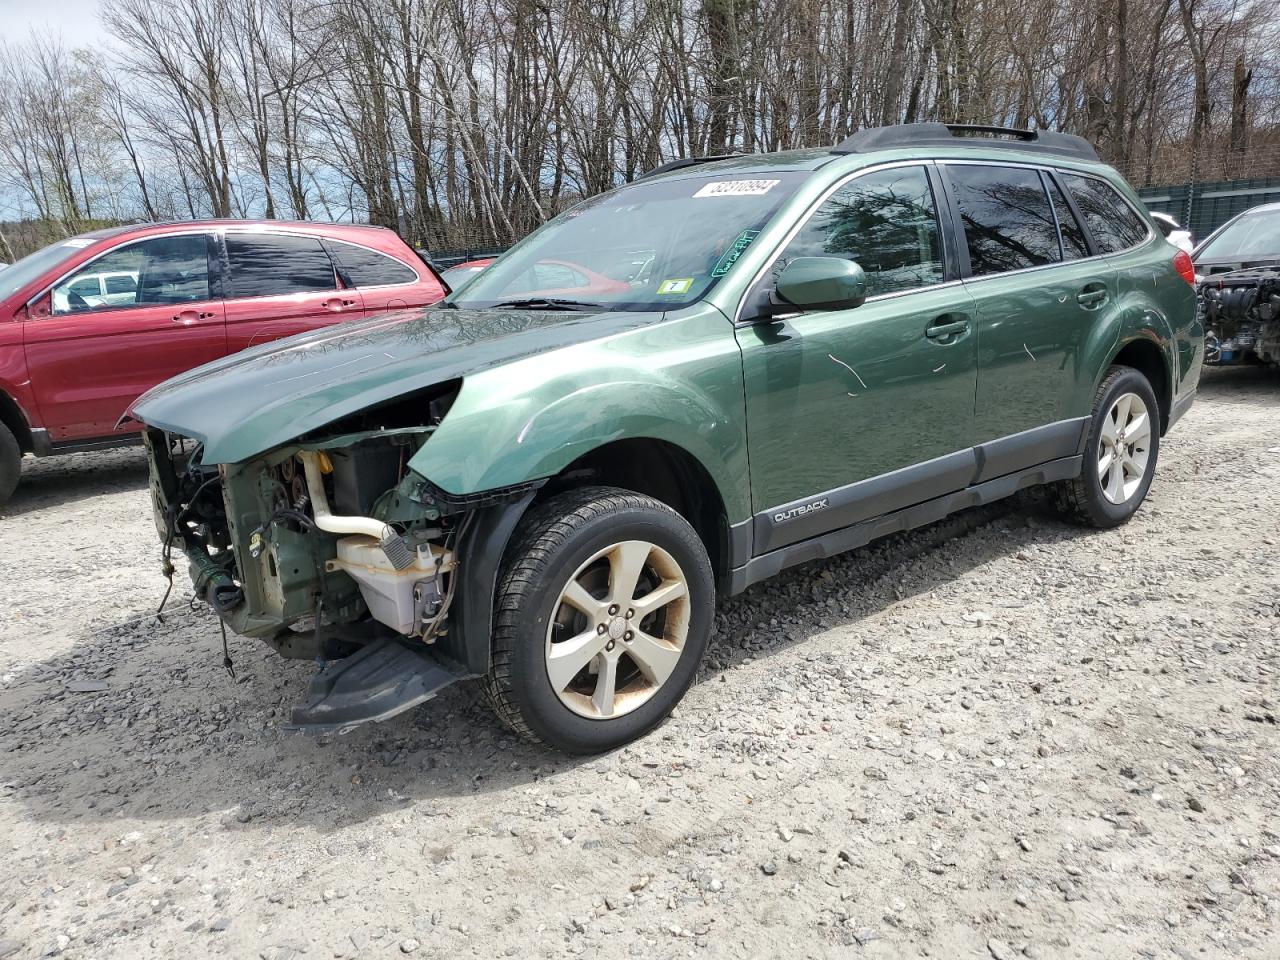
1008 223
362 267
1113 223
267 265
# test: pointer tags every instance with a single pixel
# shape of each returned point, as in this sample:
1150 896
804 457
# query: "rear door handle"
945 329
337 304
1092 296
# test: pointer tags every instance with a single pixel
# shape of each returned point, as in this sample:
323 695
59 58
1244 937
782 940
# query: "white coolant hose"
325 520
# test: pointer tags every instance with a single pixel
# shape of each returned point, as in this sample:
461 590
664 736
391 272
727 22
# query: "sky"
76 21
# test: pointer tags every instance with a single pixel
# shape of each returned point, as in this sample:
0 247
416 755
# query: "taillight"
1186 269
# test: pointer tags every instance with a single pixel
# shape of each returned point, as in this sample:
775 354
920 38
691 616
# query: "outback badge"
794 512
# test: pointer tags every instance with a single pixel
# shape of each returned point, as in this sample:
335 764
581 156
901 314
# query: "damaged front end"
1241 315
333 548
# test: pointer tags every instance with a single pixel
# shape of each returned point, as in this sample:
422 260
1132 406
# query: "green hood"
258 399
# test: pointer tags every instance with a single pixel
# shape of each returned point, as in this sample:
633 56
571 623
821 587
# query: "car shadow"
52 481
162 732
1243 381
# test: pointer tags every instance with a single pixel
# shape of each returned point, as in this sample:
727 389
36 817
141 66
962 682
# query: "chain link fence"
1203 207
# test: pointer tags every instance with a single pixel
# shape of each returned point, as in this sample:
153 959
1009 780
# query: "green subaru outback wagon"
673 390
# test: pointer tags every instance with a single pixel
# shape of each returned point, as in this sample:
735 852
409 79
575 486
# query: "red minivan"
88 324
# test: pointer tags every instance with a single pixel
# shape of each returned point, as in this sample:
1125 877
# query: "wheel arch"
11 416
646 465
1144 354
665 471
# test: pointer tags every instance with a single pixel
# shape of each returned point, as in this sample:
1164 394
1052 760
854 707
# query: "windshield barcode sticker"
737 188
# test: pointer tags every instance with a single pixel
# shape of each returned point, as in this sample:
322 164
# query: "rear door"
281 284
1040 295
91 354
383 282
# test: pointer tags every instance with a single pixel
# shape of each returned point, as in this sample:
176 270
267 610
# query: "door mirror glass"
821 283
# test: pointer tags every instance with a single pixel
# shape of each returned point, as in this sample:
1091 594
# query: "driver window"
161 270
886 222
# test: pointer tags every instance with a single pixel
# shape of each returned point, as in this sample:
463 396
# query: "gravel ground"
998 736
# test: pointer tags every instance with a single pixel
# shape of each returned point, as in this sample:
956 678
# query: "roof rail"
950 134
686 162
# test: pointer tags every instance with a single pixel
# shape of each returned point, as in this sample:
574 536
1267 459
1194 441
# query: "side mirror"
821 283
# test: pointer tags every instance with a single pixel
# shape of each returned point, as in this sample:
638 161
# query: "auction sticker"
737 188
682 285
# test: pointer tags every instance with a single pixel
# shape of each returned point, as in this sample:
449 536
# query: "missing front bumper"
377 682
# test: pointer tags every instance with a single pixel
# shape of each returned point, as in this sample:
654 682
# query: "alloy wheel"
618 630
1124 448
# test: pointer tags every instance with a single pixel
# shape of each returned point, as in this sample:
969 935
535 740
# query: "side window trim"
964 266
210 239
1089 239
952 252
1045 181
803 221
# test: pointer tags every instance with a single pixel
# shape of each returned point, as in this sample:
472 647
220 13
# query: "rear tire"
602 615
10 464
1120 453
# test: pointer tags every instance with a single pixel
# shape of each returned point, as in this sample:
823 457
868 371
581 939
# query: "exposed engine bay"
332 549
1241 315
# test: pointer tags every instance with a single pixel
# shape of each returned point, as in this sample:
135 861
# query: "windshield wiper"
548 303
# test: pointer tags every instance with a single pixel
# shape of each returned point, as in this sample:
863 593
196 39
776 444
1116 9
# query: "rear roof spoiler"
958 134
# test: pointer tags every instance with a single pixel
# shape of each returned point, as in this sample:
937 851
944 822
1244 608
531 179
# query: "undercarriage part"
1241 312
377 682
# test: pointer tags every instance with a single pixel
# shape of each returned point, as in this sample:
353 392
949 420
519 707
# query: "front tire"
1119 456
603 612
10 464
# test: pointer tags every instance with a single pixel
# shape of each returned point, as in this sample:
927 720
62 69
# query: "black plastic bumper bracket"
375 683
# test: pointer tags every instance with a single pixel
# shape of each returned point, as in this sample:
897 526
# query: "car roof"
1261 208
907 141
303 226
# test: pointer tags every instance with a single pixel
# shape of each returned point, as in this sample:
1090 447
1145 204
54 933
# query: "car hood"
1206 266
256 400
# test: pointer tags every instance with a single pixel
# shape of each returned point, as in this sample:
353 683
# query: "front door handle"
945 329
1092 296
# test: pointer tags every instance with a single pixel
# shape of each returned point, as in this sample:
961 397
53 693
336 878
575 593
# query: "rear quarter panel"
1156 304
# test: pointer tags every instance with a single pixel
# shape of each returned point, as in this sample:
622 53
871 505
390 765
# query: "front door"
279 285
858 412
135 316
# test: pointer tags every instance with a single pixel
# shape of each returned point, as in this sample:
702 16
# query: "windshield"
15 277
651 245
1253 235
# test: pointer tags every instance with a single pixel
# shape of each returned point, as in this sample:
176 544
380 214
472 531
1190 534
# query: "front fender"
679 381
